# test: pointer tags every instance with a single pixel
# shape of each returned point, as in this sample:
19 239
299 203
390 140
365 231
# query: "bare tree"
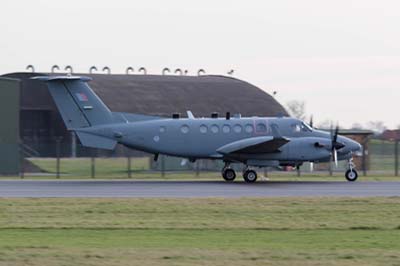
297 109
376 126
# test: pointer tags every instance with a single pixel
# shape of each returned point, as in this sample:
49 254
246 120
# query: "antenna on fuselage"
190 114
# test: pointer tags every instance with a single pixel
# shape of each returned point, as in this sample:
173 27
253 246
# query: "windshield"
301 127
306 127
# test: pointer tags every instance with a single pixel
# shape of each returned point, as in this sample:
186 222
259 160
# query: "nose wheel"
351 174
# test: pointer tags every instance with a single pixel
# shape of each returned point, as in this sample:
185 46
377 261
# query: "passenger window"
226 129
249 128
203 129
261 127
214 129
237 128
185 129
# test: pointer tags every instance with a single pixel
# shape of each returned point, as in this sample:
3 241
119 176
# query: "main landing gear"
250 176
351 174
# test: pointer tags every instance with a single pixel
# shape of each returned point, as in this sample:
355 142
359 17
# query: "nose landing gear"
351 174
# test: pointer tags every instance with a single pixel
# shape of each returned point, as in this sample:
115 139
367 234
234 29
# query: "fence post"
93 164
58 143
162 165
129 166
396 158
197 168
364 158
22 158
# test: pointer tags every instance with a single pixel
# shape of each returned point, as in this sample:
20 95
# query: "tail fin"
79 106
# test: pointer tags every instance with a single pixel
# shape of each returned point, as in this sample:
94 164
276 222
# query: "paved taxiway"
187 189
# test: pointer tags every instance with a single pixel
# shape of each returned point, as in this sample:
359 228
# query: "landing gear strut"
351 174
228 173
250 176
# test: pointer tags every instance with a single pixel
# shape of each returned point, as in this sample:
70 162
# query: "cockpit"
301 127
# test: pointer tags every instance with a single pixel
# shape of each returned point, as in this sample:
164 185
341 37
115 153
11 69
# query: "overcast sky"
341 57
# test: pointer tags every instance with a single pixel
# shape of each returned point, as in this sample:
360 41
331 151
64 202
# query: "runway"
192 189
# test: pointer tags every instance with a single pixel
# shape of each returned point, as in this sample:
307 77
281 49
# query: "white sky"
341 57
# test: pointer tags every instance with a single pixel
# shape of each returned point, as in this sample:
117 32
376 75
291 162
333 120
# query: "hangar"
40 124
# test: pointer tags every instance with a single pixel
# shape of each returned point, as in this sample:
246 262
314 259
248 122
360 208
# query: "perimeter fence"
62 161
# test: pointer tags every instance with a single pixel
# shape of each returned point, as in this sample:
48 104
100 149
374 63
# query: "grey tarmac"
192 189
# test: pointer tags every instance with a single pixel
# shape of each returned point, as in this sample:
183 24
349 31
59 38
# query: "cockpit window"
301 127
306 127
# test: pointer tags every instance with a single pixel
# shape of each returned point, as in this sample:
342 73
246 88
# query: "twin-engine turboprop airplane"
253 141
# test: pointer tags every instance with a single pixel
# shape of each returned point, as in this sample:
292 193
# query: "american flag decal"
82 97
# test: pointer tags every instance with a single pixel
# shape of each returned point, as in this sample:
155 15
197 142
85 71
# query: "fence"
125 163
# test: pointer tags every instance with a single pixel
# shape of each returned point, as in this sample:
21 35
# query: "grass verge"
285 231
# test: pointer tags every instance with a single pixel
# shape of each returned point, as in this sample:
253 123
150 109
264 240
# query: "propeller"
311 122
335 145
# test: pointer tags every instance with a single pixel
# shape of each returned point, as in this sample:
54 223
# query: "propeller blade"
336 134
311 167
335 159
311 122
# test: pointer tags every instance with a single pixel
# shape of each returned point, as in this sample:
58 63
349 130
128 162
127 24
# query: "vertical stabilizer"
78 104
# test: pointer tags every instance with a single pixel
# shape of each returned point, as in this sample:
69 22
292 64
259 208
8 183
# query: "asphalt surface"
191 189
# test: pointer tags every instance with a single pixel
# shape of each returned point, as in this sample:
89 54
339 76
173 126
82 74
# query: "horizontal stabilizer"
94 141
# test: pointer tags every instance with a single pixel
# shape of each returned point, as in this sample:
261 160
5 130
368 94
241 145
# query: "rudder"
79 106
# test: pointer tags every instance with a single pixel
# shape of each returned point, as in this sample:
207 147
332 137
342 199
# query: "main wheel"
250 176
228 174
351 175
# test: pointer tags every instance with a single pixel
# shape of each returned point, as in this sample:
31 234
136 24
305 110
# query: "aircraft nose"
350 145
353 145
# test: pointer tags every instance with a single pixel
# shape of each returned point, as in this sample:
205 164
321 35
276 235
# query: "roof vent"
129 70
214 115
176 115
106 68
31 67
92 68
53 68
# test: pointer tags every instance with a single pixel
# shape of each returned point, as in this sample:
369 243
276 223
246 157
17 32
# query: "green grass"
290 231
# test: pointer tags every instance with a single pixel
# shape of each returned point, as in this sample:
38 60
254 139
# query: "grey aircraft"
252 141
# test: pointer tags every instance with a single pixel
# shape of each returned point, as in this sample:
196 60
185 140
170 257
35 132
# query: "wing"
256 145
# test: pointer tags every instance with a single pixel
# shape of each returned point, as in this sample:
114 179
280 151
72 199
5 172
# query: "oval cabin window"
214 129
203 129
249 128
185 129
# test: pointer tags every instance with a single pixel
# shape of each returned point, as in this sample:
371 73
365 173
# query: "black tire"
351 175
250 176
229 174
